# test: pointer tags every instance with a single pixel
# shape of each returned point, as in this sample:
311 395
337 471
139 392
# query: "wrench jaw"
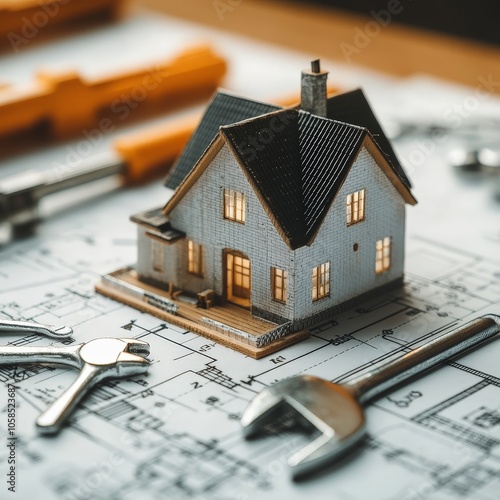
129 364
132 360
136 346
264 409
321 405
323 451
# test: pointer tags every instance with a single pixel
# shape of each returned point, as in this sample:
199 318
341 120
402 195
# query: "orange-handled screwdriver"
137 158
69 104
21 20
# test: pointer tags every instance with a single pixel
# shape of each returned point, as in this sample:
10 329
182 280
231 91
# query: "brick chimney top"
313 89
315 66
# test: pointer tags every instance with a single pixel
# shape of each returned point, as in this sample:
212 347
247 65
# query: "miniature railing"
278 332
161 303
229 331
153 299
247 338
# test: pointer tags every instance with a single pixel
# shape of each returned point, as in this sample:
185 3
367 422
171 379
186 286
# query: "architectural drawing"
431 439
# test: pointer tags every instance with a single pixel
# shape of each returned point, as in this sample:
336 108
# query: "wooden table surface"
394 49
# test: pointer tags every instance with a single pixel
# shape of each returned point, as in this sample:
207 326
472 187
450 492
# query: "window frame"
195 258
321 279
383 255
234 208
356 207
279 281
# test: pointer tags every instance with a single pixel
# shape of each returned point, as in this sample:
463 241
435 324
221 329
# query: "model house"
292 214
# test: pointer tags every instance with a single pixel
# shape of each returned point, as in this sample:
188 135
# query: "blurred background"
474 20
425 67
452 39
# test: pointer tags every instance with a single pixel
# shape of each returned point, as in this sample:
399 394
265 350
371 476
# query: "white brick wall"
200 215
353 273
145 259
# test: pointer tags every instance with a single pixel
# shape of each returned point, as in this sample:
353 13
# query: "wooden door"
238 278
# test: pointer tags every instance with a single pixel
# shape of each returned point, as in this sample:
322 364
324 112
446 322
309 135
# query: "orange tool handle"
21 21
149 152
70 105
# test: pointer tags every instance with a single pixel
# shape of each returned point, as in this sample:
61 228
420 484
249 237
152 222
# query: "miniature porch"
230 325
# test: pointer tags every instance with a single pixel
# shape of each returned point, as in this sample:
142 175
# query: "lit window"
195 258
278 283
234 205
383 255
158 257
355 207
321 281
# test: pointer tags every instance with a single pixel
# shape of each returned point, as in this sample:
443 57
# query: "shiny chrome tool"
97 360
55 332
336 409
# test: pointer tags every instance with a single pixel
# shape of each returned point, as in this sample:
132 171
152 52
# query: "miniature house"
293 214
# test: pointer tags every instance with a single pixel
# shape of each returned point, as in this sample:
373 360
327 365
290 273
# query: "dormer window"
234 206
355 207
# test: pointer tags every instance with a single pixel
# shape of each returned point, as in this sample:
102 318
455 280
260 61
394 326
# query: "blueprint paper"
174 434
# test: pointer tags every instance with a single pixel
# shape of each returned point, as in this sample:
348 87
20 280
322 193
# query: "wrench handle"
13 355
52 419
370 385
17 327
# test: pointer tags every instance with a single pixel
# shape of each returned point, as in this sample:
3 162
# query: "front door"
238 278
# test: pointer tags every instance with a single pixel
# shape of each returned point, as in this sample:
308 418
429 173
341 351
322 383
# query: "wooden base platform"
192 318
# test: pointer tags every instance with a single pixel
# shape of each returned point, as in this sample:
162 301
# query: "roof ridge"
231 93
263 117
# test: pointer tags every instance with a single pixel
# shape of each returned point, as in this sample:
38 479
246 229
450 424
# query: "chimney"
313 90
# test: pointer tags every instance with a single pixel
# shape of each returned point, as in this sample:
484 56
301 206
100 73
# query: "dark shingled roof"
224 109
297 166
353 107
298 162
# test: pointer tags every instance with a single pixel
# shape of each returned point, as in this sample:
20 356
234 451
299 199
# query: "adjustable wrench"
336 409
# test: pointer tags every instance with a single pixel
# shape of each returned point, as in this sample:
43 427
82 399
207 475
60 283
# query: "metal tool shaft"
17 327
375 382
52 419
68 355
20 194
